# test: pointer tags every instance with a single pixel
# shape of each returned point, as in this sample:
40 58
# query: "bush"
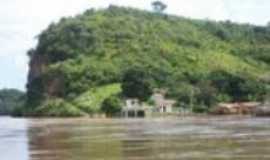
58 108
200 109
111 106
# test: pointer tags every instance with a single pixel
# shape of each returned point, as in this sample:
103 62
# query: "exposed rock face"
55 87
51 87
37 66
35 85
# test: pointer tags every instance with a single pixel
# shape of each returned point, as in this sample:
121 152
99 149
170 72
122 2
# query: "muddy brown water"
226 138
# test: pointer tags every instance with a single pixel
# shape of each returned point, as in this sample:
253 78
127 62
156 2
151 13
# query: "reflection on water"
13 139
167 139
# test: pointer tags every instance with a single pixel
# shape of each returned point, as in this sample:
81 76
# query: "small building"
242 108
162 105
133 109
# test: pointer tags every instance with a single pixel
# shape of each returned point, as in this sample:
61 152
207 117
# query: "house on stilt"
134 109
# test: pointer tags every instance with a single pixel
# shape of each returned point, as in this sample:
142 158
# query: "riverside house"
134 109
161 104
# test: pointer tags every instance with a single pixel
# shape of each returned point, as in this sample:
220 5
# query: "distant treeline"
11 100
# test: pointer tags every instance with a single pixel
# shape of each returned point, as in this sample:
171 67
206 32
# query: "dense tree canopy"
199 62
137 83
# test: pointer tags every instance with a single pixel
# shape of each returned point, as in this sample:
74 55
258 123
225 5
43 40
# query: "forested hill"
10 100
82 60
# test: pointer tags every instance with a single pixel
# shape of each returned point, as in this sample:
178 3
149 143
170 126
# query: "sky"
22 20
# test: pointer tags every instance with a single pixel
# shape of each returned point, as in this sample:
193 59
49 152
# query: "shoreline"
198 116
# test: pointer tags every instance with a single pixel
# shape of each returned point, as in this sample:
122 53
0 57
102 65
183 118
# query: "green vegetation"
57 108
81 61
91 101
111 106
88 103
10 100
137 83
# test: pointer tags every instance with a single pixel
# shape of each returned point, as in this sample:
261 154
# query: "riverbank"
149 116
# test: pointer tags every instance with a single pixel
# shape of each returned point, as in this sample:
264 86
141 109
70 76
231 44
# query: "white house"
162 105
133 109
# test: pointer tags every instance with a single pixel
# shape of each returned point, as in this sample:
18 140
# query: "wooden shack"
241 108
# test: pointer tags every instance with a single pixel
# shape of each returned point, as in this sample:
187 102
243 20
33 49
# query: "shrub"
58 108
200 109
111 106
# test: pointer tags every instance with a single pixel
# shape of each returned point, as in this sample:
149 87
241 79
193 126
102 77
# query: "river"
226 138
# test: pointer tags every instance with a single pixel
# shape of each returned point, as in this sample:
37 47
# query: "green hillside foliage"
88 103
199 62
57 108
10 100
91 101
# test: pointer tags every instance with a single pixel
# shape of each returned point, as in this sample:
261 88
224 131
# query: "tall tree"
137 84
159 6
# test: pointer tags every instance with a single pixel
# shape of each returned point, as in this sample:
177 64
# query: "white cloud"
252 11
22 20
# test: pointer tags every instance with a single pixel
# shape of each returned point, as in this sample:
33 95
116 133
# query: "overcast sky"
22 20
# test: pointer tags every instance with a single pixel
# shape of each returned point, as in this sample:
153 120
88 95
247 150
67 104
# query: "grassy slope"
87 103
91 100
